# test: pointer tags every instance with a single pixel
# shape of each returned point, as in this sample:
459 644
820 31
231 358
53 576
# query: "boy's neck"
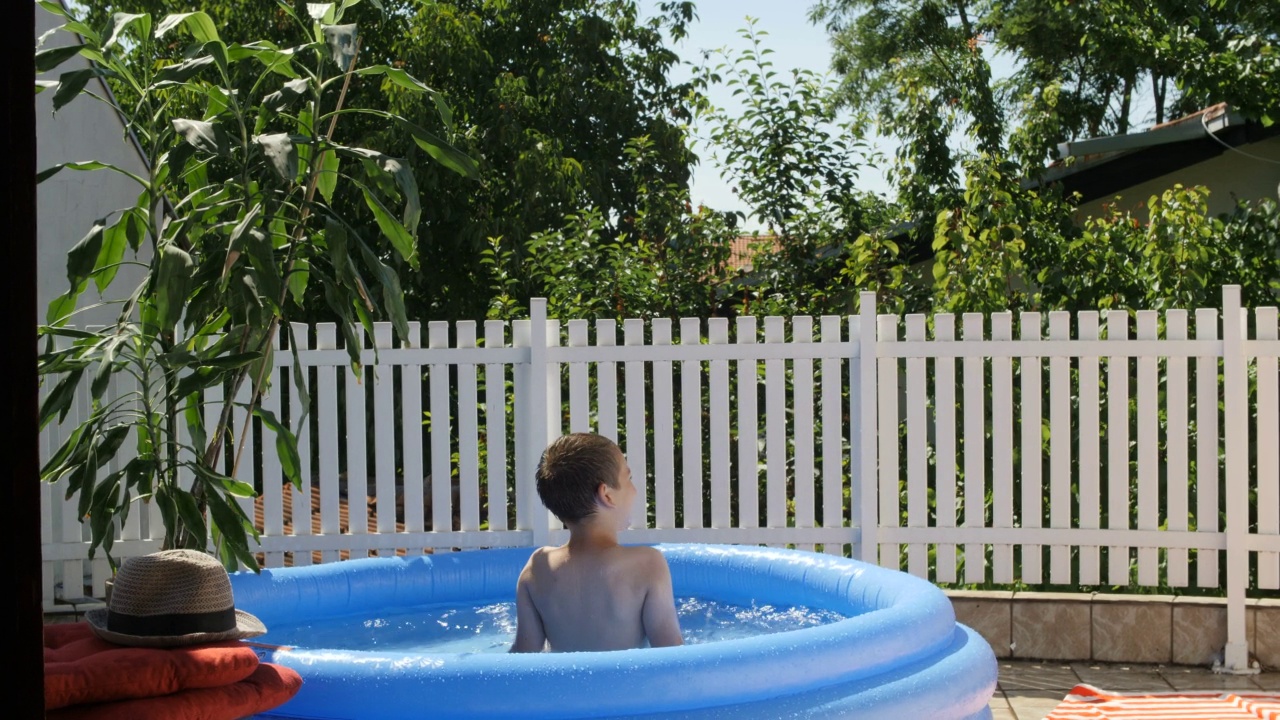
592 533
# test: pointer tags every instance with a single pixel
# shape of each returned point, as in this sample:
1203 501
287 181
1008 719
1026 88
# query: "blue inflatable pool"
898 654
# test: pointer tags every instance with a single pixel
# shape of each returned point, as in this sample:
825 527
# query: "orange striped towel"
1086 702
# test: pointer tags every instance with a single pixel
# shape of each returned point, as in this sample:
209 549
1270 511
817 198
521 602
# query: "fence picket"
1207 441
300 499
607 382
802 432
917 449
691 480
1060 449
441 432
944 421
326 393
272 477
1117 327
1148 450
887 394
1031 423
833 477
496 424
975 455
384 436
579 381
1090 462
637 440
1177 439
718 420
775 423
468 433
748 431
664 464
1268 477
1002 569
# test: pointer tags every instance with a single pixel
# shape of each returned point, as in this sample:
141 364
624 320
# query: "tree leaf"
198 24
392 294
280 152
50 58
342 42
203 136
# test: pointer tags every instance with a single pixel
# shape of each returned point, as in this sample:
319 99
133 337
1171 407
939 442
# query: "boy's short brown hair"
571 470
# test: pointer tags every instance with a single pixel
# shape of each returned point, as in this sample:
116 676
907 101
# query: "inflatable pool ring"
898 654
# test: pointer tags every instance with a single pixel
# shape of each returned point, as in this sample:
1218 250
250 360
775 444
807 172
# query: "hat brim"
247 626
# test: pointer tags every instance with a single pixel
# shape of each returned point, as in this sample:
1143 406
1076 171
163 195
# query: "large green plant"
233 221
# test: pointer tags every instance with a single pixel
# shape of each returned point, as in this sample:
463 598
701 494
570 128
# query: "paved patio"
1029 690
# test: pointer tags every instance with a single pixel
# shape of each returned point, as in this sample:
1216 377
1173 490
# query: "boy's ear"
604 494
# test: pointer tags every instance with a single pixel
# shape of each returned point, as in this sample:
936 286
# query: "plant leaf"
328 180
181 72
342 41
85 167
284 97
281 153
391 227
69 86
173 281
443 152
286 446
58 401
84 255
50 58
120 21
198 24
201 135
298 280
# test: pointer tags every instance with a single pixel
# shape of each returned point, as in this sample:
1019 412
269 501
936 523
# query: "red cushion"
268 686
81 668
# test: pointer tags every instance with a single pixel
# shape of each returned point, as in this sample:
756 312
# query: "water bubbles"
490 628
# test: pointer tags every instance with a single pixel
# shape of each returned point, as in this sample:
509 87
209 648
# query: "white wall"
69 202
1229 176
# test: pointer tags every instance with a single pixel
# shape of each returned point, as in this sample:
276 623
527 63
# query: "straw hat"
170 599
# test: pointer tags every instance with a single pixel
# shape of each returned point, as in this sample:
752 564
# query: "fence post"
1235 397
863 440
532 416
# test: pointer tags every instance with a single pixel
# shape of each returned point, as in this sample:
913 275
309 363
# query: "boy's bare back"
592 593
587 600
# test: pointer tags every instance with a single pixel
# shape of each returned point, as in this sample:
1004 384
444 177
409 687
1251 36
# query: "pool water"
491 628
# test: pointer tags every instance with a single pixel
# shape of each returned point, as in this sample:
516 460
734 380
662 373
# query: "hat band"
172 623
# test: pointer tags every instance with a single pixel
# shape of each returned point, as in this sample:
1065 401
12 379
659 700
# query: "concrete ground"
1030 690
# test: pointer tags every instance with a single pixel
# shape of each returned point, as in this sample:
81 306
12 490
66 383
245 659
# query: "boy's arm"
531 636
661 625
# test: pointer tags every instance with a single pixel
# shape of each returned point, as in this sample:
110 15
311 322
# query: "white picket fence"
1069 453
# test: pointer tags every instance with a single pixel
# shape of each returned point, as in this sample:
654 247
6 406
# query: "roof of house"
1104 166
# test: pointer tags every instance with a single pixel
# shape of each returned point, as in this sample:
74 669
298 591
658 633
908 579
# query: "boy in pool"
592 593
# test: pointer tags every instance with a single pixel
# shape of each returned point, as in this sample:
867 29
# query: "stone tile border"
1152 629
